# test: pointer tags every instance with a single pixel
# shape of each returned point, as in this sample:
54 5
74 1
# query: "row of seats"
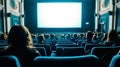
69 51
103 53
78 61
46 50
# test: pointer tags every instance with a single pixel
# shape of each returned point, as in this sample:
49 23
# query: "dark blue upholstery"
2 47
42 51
115 62
105 54
77 61
70 51
9 61
47 48
67 45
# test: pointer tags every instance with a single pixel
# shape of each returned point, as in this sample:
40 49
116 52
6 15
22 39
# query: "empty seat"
9 61
77 61
70 51
115 62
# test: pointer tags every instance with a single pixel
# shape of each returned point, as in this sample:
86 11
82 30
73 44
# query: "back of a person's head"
112 35
100 35
19 36
82 35
62 35
75 35
52 35
41 38
89 35
46 36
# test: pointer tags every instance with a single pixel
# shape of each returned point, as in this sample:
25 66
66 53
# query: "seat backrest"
47 48
89 47
3 42
67 45
115 62
64 42
77 61
42 51
2 47
70 51
102 51
105 54
9 61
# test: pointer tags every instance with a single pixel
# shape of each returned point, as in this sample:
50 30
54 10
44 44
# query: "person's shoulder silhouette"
20 44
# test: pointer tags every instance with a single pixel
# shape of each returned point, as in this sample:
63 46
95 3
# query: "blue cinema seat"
9 61
105 54
115 62
70 51
77 61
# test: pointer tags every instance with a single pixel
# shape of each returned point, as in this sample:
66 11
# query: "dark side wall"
88 9
1 24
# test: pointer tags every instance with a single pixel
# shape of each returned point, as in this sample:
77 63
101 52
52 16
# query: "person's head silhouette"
19 36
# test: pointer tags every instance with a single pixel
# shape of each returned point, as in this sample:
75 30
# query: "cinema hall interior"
77 33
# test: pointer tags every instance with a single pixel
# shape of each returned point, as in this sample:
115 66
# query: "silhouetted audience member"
95 39
100 35
53 39
62 36
3 36
103 39
75 38
88 41
47 37
89 36
20 44
34 38
112 38
41 39
81 38
3 39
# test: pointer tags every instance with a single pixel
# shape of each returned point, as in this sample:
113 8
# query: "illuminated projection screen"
59 15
